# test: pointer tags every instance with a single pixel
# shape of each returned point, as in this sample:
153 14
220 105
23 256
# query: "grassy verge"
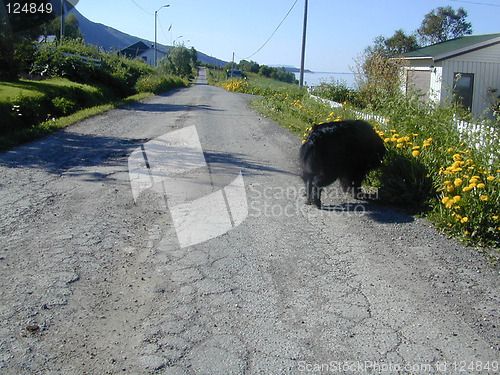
34 132
32 109
430 169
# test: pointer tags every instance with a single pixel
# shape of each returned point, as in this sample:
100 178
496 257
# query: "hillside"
113 39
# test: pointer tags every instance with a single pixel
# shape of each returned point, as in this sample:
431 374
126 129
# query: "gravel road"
95 280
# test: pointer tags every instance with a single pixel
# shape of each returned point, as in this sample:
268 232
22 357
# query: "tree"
400 43
179 61
71 27
379 68
16 49
442 24
394 46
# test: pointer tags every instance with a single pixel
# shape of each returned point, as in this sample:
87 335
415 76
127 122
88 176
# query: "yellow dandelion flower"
445 200
457 157
481 185
447 182
303 141
415 153
484 198
466 189
457 198
491 178
450 188
450 150
467 233
387 140
416 147
458 182
464 219
495 217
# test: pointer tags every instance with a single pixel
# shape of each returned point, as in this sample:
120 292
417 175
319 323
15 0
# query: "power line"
274 32
162 30
141 8
476 3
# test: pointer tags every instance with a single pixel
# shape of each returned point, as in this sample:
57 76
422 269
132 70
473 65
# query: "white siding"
486 78
488 55
436 84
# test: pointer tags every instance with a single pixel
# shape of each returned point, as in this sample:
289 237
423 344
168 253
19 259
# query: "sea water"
315 78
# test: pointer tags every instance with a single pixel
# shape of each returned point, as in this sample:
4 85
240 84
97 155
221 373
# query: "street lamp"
156 33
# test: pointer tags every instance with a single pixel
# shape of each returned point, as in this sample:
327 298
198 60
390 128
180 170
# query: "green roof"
458 45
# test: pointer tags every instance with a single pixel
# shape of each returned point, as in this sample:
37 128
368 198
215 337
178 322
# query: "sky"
337 31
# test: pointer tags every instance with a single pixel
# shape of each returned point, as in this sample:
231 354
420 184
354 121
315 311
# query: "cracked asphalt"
93 282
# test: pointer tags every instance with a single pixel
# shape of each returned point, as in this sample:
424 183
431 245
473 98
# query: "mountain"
114 40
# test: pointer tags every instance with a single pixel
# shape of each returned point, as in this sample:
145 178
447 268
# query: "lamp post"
156 33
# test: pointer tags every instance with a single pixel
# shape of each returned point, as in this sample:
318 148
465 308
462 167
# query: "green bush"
157 84
337 91
63 106
117 73
404 181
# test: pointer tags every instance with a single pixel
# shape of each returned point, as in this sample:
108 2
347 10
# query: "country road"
128 247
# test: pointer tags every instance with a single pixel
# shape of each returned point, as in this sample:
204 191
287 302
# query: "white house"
468 67
143 51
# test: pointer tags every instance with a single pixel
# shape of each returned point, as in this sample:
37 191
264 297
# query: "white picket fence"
479 134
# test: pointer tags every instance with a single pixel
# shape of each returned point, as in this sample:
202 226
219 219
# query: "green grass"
24 103
34 132
32 109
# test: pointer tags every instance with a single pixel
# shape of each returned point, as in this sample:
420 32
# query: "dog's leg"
316 192
352 186
310 190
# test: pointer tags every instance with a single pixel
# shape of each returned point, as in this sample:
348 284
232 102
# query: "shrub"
469 204
157 84
405 179
115 72
337 91
63 106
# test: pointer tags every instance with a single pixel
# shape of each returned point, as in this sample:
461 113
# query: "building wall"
149 54
483 63
432 88
486 81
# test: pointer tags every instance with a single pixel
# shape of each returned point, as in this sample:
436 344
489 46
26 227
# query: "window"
463 89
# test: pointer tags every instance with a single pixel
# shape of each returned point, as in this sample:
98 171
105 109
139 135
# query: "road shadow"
66 152
164 108
243 162
372 209
63 150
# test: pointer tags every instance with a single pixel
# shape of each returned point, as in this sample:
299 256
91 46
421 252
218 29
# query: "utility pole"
62 21
303 54
232 66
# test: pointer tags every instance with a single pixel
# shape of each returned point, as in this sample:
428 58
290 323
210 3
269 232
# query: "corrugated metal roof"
461 44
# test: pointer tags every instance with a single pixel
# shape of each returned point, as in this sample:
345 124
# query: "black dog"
344 150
